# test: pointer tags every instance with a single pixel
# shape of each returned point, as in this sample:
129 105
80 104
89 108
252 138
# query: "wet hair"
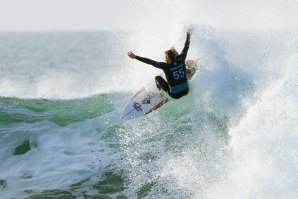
172 54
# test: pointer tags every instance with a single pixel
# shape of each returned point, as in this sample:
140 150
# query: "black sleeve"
186 47
151 62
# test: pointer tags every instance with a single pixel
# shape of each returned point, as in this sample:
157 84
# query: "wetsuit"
177 84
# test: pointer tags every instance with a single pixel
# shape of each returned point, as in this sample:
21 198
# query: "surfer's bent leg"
179 95
161 83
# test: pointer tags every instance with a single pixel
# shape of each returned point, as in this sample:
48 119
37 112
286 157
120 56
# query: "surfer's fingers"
189 32
131 55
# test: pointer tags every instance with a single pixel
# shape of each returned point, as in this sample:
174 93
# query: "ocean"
233 136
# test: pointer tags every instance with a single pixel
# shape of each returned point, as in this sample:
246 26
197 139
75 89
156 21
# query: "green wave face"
60 112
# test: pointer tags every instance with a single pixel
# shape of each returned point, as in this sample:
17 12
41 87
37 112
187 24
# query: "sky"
20 15
66 14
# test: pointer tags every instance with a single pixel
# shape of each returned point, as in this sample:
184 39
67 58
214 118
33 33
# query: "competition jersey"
175 72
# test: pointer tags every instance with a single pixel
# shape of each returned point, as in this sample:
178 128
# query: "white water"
252 79
264 143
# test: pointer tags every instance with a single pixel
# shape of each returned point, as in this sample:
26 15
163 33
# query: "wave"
60 112
238 119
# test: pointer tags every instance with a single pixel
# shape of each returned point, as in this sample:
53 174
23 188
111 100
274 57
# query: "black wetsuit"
177 84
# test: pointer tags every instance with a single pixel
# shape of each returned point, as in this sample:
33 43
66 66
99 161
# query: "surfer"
174 68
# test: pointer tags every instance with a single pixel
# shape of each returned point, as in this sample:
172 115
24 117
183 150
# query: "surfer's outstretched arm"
145 60
186 45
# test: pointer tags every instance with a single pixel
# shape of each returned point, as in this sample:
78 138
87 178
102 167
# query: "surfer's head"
171 55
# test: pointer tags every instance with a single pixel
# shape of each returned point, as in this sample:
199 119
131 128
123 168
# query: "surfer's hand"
131 55
188 33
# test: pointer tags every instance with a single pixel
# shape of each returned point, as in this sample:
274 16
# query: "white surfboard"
149 98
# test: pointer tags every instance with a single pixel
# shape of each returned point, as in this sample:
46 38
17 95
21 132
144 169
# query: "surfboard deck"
150 98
